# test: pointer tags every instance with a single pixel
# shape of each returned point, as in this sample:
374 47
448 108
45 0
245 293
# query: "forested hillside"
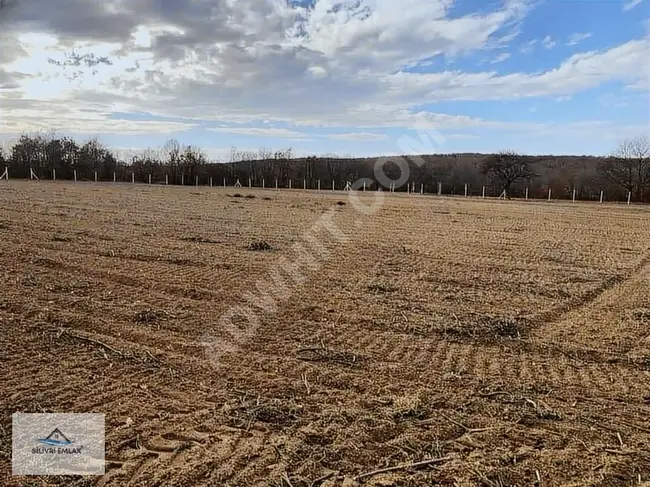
626 171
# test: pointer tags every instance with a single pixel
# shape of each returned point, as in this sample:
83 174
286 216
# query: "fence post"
549 194
601 195
149 178
250 183
197 180
53 174
114 177
629 198
290 184
465 190
364 185
166 179
210 181
319 185
95 176
74 172
439 188
483 192
133 177
276 184
333 185
263 184
421 188
574 195
526 193
224 182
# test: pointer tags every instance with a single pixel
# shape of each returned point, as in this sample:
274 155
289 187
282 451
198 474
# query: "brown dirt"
511 339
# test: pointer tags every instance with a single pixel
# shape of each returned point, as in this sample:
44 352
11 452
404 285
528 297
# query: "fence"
409 188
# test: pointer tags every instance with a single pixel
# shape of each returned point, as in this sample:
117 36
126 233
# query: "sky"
347 78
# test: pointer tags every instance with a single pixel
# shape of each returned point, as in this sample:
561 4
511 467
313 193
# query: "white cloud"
631 4
579 72
317 71
29 115
261 132
575 39
461 136
528 46
548 42
500 58
359 137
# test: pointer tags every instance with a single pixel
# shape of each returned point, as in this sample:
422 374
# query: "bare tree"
629 166
507 168
264 153
172 153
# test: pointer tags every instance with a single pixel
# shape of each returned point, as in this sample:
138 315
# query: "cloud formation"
72 64
577 38
631 4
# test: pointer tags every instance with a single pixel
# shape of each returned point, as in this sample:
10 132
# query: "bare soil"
508 340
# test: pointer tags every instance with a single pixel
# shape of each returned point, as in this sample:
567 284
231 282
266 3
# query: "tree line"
625 171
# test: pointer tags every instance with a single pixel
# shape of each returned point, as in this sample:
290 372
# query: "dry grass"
500 343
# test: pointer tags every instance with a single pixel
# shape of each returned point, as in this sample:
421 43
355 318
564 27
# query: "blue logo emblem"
56 438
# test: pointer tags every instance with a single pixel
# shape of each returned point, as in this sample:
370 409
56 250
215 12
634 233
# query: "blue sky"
329 77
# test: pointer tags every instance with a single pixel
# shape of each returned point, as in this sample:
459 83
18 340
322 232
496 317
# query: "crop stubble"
511 339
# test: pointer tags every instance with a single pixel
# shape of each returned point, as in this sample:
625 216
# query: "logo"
57 444
56 438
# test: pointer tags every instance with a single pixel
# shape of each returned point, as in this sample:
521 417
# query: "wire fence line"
410 188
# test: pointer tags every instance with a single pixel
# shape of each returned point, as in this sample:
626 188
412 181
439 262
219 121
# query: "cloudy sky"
327 76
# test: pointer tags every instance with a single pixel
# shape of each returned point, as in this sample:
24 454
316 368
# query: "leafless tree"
264 153
629 166
172 152
172 157
507 168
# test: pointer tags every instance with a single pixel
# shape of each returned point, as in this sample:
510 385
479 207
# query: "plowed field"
508 341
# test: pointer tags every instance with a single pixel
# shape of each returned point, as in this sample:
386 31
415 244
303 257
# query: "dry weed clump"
259 246
198 239
147 316
248 409
321 353
382 287
484 329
